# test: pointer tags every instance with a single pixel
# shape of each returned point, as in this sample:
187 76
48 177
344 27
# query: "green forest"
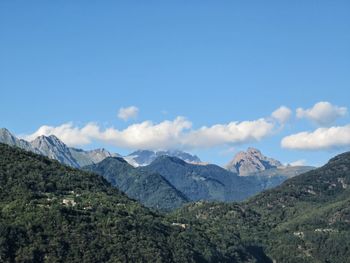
53 213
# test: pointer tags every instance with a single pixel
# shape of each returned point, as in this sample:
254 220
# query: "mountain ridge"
54 148
202 182
146 157
151 189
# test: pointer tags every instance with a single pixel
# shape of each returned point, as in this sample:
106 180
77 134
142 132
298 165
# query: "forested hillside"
306 219
53 213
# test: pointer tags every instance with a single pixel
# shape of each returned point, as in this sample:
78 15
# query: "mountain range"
54 213
166 180
54 148
169 182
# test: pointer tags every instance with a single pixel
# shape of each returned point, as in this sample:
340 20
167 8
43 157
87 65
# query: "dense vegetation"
306 219
54 213
151 189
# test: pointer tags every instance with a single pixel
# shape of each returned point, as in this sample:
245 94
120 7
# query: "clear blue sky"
212 62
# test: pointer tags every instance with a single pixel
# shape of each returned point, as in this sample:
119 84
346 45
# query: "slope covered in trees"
53 213
306 219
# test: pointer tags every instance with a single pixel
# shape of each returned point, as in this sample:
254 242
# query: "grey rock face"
7 138
54 148
84 158
251 161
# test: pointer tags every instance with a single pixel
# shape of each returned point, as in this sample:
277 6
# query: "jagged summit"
54 148
251 161
8 138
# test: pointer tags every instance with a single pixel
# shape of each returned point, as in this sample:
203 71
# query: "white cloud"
323 113
167 134
298 163
147 135
320 139
68 133
128 113
231 133
282 114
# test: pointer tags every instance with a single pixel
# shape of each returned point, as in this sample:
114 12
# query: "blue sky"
211 62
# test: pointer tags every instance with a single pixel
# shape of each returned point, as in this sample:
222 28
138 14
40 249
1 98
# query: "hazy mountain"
7 138
145 157
306 219
285 171
84 158
55 213
151 189
275 176
202 182
263 171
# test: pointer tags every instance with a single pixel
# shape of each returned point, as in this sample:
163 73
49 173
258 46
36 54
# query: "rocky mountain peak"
54 148
251 161
8 138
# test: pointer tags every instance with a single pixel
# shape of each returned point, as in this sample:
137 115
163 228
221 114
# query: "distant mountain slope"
151 189
54 213
306 219
263 170
202 182
286 171
145 157
84 158
275 176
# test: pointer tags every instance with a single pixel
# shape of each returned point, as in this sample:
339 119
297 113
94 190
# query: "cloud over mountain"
68 133
168 134
230 133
